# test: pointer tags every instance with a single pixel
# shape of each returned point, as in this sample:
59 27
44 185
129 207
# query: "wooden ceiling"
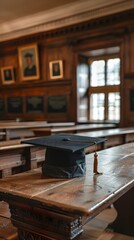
24 17
14 9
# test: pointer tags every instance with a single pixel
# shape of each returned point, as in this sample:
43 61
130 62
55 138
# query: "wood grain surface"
67 199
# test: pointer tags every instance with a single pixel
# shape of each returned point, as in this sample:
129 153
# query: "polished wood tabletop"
114 136
78 198
58 192
109 132
13 129
31 124
71 129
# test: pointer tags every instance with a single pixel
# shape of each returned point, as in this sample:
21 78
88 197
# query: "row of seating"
14 130
122 153
16 157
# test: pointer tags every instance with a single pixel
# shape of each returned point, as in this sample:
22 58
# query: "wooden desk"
19 157
71 129
47 208
24 129
114 137
19 129
2 135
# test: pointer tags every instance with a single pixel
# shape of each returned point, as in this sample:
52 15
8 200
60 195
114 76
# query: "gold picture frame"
7 75
29 62
56 69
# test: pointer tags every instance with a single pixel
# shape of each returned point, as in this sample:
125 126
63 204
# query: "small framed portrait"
29 62
56 69
7 75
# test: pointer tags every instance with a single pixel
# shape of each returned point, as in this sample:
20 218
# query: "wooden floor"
7 230
94 230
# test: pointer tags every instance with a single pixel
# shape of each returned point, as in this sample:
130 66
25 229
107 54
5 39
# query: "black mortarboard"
28 54
65 156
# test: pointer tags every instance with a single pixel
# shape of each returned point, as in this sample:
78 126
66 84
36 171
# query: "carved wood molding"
40 83
81 31
36 223
61 17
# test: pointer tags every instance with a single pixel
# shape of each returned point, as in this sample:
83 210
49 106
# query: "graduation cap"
65 155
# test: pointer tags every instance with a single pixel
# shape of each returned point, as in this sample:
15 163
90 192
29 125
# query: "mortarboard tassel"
95 167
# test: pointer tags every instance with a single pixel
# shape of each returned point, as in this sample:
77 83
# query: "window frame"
106 89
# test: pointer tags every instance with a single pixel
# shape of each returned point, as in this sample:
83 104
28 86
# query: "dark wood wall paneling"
67 44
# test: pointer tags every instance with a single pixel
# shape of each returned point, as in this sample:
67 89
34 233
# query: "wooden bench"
20 153
71 129
14 130
2 135
19 157
114 137
50 208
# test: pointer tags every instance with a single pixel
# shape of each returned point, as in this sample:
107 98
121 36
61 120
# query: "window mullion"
106 106
105 72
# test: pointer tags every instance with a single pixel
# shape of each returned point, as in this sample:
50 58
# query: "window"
104 91
114 106
97 106
98 73
113 71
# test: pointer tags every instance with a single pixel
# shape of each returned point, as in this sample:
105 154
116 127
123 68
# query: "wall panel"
67 44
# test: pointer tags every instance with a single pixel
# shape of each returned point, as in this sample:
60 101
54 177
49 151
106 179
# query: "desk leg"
124 222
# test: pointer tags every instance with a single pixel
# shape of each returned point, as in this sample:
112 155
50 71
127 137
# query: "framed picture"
56 69
15 105
57 104
7 74
35 104
29 62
